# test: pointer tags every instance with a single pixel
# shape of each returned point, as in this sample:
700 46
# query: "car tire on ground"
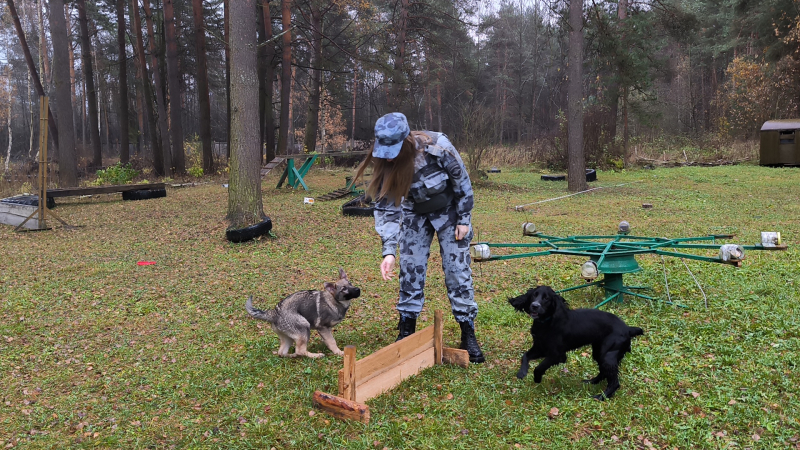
245 234
591 175
355 207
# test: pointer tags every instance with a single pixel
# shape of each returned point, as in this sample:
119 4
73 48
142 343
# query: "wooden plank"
73 192
455 356
341 408
437 337
389 356
14 214
271 165
388 379
348 388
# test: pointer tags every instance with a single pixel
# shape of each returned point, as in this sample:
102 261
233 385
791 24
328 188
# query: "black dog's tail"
635 331
269 316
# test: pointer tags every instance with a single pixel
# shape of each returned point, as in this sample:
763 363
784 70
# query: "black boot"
470 344
407 327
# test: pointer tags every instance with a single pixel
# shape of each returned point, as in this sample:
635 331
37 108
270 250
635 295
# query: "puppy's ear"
520 303
330 287
342 275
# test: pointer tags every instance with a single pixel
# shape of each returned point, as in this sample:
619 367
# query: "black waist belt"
436 203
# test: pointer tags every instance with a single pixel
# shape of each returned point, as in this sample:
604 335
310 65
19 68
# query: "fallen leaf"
553 412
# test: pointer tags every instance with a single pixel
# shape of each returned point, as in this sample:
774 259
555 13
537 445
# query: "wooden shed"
780 143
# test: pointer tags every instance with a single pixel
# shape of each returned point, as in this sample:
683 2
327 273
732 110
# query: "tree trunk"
161 101
173 80
286 77
71 70
244 192
312 119
51 121
576 172
202 87
67 162
355 97
226 8
144 81
395 99
124 144
91 92
44 63
10 132
266 53
269 76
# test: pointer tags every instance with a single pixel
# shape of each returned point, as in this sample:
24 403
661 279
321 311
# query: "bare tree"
202 86
67 161
395 99
161 101
576 172
51 121
173 80
244 193
312 119
266 77
91 92
144 82
124 151
286 77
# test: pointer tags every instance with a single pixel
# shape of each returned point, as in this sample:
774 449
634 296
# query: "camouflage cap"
390 130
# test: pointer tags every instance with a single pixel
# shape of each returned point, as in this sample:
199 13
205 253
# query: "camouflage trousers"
415 248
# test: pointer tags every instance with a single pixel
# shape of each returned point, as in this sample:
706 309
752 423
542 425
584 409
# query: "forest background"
149 82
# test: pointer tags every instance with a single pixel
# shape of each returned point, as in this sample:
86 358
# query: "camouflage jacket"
437 169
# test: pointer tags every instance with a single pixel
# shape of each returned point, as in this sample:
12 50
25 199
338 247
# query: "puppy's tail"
635 331
269 316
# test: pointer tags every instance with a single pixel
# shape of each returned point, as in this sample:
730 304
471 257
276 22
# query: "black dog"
557 329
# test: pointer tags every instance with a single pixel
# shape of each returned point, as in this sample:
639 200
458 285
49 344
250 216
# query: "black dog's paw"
600 397
522 374
537 378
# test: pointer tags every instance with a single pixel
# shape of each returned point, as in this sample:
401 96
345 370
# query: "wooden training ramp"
271 165
379 372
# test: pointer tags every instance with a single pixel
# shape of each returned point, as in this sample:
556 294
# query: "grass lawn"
97 352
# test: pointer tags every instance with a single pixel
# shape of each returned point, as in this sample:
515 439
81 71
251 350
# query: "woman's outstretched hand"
387 267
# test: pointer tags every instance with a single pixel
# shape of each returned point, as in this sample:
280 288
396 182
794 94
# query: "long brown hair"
391 179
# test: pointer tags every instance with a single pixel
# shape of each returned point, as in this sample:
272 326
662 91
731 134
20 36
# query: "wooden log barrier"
381 371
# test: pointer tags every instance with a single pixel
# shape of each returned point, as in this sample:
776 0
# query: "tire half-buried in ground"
249 233
359 206
591 175
144 194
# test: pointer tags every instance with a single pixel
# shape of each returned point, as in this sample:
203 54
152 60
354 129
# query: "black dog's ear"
521 303
558 302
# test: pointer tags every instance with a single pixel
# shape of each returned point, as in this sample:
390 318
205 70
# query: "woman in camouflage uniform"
421 187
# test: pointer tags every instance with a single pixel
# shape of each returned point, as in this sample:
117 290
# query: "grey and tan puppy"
296 315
